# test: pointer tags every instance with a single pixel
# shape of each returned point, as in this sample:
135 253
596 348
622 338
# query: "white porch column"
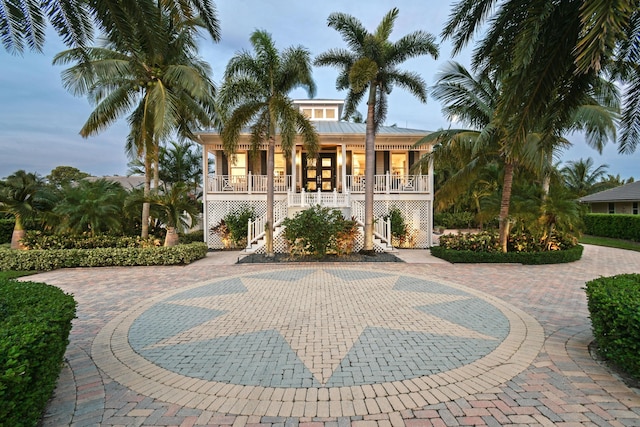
343 172
205 191
294 168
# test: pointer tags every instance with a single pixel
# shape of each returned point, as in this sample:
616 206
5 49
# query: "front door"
322 175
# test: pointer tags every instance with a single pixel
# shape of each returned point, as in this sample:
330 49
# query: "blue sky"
40 120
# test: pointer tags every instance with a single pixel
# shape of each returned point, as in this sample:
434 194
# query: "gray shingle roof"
625 193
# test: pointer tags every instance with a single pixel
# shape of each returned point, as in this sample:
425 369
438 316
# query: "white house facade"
333 178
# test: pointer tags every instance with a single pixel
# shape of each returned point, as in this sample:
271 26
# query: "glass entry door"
321 174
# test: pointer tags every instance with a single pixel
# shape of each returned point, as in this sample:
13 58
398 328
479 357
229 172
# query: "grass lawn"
612 243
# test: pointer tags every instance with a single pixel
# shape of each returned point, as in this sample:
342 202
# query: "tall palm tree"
547 51
91 207
157 77
25 21
370 67
19 196
581 176
475 101
255 93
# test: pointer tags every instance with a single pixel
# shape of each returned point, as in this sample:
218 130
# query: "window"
330 113
318 113
612 208
358 164
398 163
307 112
239 165
279 165
635 208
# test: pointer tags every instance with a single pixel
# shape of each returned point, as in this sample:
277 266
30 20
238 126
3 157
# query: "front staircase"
256 232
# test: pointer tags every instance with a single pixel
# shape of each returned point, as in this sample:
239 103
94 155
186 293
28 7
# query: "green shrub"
532 258
455 220
398 226
6 229
315 231
519 241
51 259
234 227
614 307
35 321
194 236
40 240
626 227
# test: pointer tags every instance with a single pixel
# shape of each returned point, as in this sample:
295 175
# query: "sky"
40 121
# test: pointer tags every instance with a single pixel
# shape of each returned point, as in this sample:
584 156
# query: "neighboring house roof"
625 193
127 182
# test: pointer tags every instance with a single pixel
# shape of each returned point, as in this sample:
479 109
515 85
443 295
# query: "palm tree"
581 177
180 162
371 66
546 52
175 209
91 207
157 77
25 21
475 101
20 193
255 92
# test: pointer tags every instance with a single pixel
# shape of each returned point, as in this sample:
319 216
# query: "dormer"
325 110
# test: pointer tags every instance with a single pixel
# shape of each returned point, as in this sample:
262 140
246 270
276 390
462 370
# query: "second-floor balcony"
255 184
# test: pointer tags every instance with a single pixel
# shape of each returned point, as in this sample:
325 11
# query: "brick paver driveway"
364 344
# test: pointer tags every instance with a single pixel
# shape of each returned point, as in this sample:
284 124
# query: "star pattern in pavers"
319 314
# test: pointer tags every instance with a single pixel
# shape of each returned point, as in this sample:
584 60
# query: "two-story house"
334 178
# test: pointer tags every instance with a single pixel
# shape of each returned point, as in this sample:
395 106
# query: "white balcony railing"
383 184
332 199
246 183
390 183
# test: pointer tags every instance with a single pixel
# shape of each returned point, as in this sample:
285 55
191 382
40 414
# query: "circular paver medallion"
259 343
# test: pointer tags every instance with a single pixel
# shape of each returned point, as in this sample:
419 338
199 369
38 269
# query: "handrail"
256 229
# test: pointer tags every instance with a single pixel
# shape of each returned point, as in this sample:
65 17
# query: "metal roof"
328 127
625 193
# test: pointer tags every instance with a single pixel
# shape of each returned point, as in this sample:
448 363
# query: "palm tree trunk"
146 206
504 204
270 196
171 238
546 179
369 170
18 234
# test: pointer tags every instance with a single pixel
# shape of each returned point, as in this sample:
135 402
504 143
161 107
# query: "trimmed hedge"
40 240
6 230
530 258
626 227
44 260
35 320
614 307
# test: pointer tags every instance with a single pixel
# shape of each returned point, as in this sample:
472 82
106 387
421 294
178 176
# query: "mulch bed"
357 257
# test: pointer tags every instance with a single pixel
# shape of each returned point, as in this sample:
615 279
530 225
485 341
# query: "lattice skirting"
416 213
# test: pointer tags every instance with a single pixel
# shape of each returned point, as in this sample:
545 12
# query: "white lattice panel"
416 214
217 210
